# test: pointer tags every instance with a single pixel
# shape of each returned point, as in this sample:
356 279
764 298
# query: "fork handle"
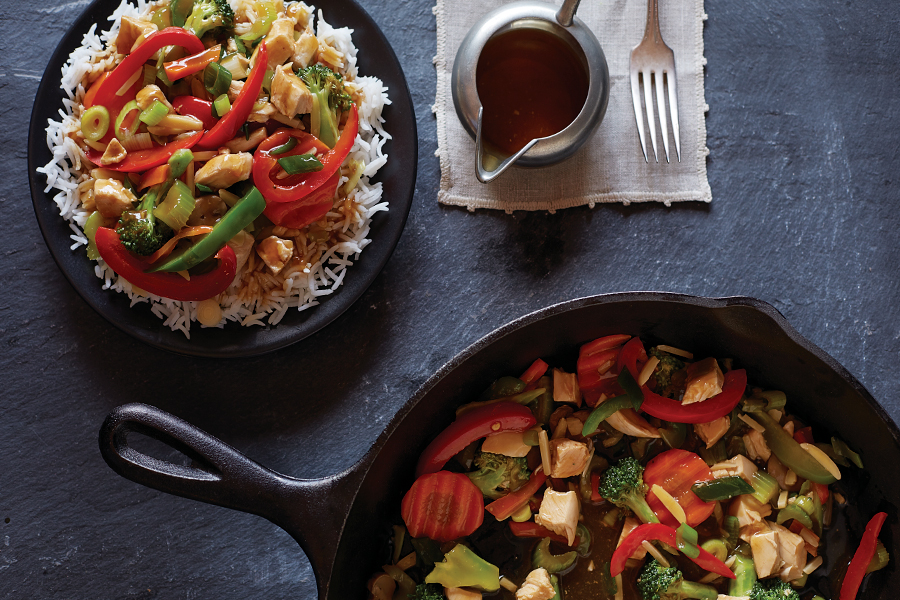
651 30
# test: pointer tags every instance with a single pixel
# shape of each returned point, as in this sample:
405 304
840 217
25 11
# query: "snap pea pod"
245 210
790 452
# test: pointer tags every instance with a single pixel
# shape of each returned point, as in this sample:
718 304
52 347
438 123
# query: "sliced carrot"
442 506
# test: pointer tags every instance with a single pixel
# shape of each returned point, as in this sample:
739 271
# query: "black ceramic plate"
376 58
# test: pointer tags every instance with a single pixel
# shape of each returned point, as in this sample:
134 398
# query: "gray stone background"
803 138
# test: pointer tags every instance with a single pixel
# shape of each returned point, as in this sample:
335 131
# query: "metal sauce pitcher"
560 22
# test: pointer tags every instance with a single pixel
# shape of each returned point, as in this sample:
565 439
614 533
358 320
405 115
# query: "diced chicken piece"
559 513
756 446
305 49
148 94
280 41
507 443
112 198
113 154
748 510
630 423
792 550
275 252
242 244
764 546
568 457
537 586
262 112
748 531
241 143
713 431
565 387
225 170
299 12
704 380
456 593
234 90
289 94
778 551
740 465
381 587
207 211
130 30
630 524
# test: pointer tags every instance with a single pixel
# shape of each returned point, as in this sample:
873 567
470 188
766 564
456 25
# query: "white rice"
303 288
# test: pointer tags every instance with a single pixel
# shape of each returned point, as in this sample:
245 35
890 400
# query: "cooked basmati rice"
257 298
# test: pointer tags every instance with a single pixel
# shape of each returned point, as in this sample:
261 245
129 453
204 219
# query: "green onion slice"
154 113
177 206
95 123
301 163
216 79
221 106
722 488
131 124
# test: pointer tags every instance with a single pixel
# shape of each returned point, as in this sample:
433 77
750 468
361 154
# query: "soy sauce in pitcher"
531 85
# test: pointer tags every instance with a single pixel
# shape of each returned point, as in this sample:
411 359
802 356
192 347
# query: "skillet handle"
223 476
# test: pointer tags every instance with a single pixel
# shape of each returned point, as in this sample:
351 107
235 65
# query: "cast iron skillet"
342 536
398 176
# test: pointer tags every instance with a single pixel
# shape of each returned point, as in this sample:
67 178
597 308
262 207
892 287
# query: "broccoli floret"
773 589
623 485
141 232
498 475
208 15
428 591
669 375
656 582
329 100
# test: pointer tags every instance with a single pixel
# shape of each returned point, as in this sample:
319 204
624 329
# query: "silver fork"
650 61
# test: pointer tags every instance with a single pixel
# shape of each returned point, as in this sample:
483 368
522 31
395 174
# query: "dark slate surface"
803 136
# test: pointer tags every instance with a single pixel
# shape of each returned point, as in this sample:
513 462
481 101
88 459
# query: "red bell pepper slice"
604 343
442 506
533 373
309 209
530 529
470 426
142 160
676 471
227 127
296 187
699 412
862 557
167 285
632 353
504 507
177 69
195 107
666 535
804 435
170 36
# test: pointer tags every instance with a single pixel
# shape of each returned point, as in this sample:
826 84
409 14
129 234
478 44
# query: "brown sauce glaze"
531 85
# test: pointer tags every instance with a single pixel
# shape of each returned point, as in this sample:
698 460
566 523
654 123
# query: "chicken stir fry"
642 474
218 152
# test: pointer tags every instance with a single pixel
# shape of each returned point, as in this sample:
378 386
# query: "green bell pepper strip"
167 285
180 11
603 412
463 568
245 210
542 558
790 452
632 389
722 488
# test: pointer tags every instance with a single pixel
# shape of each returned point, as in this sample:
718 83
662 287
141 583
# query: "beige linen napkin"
611 166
